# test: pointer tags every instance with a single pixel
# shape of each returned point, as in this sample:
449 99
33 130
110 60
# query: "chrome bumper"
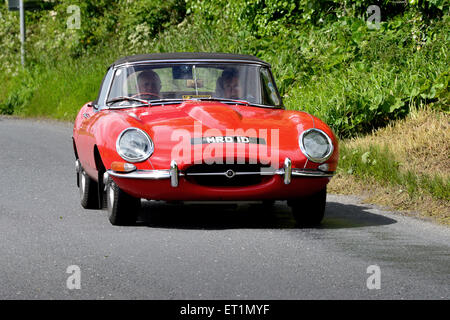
173 173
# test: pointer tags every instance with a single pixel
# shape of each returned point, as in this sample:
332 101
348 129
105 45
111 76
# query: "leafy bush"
143 20
10 42
18 92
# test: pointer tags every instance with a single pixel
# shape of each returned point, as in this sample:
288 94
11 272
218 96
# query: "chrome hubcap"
82 183
110 196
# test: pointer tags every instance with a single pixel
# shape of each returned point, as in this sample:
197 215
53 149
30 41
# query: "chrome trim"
142 174
194 71
128 167
303 149
173 174
256 173
287 171
170 174
199 62
105 180
77 165
311 173
109 88
190 61
230 173
152 145
324 167
314 125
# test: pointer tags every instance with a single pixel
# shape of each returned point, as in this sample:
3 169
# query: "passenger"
228 86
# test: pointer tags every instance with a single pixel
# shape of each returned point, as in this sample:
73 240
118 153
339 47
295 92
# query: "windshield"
152 83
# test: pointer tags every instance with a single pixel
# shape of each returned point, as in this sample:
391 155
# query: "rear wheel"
88 190
122 208
309 211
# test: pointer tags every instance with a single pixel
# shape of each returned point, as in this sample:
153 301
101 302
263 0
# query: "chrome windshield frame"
198 62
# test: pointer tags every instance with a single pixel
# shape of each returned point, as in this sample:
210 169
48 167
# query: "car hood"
168 125
219 116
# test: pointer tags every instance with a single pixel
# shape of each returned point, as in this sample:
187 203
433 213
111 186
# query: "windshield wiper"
144 102
124 98
243 102
167 101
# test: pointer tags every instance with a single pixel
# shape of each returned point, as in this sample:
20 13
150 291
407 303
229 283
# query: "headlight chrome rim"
135 160
303 149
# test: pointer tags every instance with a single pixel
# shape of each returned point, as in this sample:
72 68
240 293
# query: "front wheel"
309 211
122 208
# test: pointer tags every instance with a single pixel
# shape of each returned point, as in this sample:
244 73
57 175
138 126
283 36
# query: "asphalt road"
195 251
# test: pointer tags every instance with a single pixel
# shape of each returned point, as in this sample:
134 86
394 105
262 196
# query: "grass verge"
405 165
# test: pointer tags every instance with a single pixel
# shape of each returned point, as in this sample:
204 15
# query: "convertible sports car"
199 126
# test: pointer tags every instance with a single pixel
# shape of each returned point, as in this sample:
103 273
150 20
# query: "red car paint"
99 129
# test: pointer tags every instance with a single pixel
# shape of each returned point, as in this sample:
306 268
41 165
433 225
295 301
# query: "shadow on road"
159 214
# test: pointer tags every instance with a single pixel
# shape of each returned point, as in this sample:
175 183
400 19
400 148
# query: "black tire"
268 204
309 211
122 208
88 191
102 191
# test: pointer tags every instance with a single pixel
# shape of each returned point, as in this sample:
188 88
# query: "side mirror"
92 105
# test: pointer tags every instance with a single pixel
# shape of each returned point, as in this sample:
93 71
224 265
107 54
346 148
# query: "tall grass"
62 90
381 164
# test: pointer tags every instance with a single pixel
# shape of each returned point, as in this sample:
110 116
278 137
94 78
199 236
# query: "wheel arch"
101 169
98 160
75 149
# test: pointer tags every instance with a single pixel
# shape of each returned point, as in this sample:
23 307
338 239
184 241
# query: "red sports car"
199 126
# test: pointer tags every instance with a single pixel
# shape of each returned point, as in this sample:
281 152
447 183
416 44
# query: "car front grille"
225 175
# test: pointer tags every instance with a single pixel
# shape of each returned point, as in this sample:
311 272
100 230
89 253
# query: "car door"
90 114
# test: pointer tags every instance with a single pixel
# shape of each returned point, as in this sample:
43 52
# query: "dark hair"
146 73
226 76
229 74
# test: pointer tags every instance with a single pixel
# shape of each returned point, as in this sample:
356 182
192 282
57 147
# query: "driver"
149 84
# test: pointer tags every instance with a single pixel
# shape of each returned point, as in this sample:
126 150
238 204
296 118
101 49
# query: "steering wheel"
138 95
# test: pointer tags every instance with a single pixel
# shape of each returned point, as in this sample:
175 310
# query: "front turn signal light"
122 167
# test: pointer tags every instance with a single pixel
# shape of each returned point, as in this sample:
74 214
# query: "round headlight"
134 145
316 145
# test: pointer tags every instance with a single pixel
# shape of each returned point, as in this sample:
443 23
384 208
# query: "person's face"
231 89
149 83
